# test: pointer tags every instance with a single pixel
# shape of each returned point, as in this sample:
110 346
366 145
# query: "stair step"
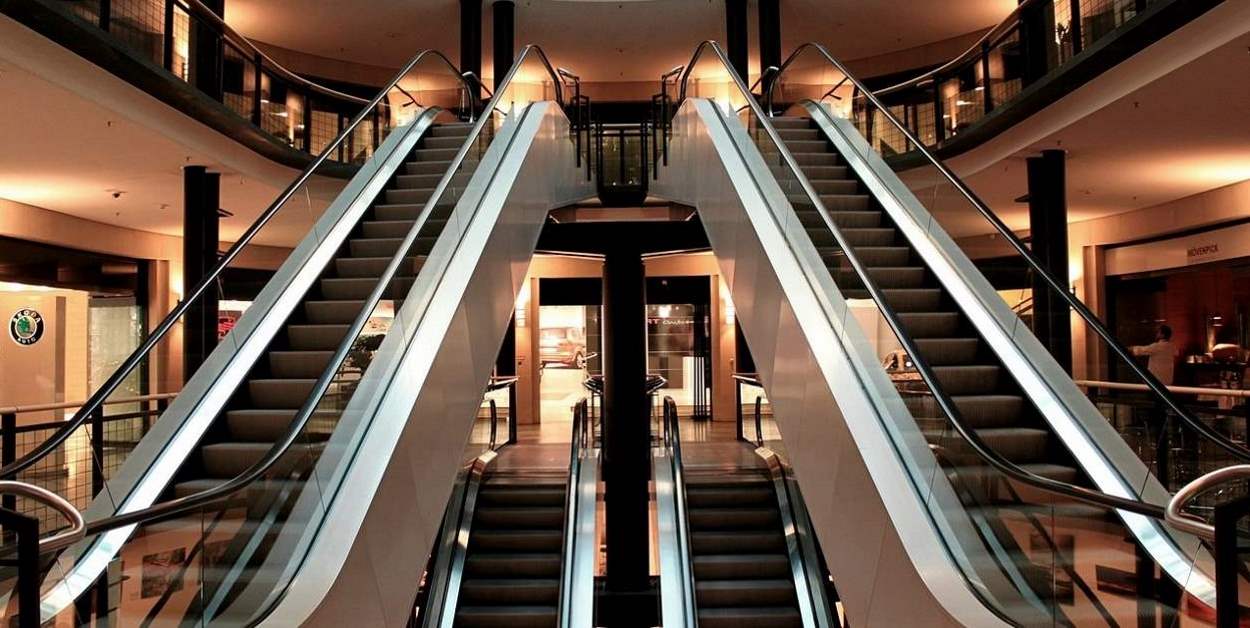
741 566
521 496
510 591
745 593
930 324
415 196
279 393
884 276
516 541
528 517
976 379
948 351
333 312
315 337
768 617
815 144
374 247
790 122
435 167
841 219
513 565
451 129
879 236
351 289
700 497
228 460
904 299
1017 444
733 518
510 616
298 364
979 411
443 141
725 541
266 426
798 133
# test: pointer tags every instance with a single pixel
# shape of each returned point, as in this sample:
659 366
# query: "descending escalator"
736 546
966 367
284 378
971 438
285 433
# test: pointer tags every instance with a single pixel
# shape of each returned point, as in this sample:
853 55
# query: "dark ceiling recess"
53 266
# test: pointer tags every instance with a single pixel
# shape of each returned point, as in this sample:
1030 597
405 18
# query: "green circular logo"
26 327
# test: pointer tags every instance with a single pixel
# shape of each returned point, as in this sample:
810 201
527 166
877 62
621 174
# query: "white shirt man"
1162 362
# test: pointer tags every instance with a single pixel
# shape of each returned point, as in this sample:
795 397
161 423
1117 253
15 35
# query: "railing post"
1074 27
308 118
494 418
8 451
987 96
257 77
97 451
106 14
1227 577
738 408
939 118
512 414
27 531
168 56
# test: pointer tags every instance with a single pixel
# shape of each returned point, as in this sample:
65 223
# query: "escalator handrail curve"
97 399
944 401
1091 319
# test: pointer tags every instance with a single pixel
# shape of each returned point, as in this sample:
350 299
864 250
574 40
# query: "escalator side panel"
1093 441
364 565
860 494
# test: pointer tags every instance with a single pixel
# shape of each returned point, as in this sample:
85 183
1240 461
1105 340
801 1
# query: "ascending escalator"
518 541
735 538
262 485
896 369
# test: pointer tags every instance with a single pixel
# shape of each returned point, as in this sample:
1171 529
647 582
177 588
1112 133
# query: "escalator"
1008 497
735 538
519 540
360 342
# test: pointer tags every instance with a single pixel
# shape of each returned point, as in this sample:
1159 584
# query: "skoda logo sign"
26 327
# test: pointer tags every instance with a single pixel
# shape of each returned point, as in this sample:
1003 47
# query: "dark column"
770 34
1036 29
201 199
626 430
736 36
207 53
504 12
1048 226
471 37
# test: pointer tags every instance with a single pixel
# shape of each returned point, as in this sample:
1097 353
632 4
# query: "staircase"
512 569
741 565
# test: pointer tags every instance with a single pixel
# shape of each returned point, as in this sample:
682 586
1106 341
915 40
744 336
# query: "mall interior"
926 313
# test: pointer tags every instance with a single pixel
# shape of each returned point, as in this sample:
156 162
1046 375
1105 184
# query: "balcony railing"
1039 41
194 45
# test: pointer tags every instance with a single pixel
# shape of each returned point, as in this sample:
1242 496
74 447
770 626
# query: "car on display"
565 346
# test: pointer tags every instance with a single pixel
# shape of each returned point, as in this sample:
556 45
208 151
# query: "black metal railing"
194 45
1040 38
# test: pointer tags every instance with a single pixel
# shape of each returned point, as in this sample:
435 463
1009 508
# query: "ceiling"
628 40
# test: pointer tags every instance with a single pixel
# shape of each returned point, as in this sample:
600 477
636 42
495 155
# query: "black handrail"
209 281
304 415
1040 269
945 403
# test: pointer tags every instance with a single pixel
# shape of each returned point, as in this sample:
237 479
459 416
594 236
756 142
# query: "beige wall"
54 369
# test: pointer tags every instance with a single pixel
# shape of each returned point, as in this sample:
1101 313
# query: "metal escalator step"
266 426
374 247
790 122
817 173
374 267
883 276
228 460
412 211
745 593
435 154
314 337
521 496
733 518
798 133
880 236
835 186
516 541
842 219
930 324
510 616
417 196
456 129
513 518
443 141
513 565
775 617
904 299
979 411
948 351
298 364
333 312
279 393
356 288
968 379
805 160
510 591
741 566
427 167
1017 444
725 541
815 144
712 496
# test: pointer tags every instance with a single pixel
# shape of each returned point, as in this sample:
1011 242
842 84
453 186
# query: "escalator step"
457 129
333 312
510 616
974 379
723 542
886 277
813 145
443 141
750 618
386 228
516 541
266 426
298 364
699 496
880 236
979 411
798 133
417 196
532 517
741 566
513 565
1017 444
790 122
948 351
279 393
734 518
435 154
904 299
317 337
374 247
740 593
843 219
930 324
495 496
510 591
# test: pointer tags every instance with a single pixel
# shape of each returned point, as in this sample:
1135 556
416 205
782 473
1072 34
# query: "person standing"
1162 362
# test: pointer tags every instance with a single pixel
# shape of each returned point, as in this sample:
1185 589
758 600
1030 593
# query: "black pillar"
627 423
1036 32
1048 226
471 37
770 34
736 36
201 199
207 53
504 18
